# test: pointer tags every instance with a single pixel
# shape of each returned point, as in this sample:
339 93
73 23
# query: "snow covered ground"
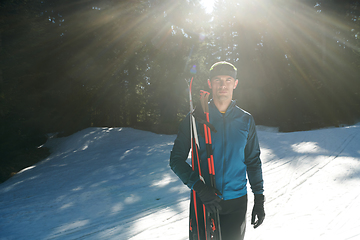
115 183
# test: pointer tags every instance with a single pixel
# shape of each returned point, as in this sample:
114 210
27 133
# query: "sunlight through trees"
72 64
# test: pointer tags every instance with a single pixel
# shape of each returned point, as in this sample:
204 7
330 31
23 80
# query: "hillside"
115 183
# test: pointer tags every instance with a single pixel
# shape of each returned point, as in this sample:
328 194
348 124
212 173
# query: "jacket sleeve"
252 160
179 155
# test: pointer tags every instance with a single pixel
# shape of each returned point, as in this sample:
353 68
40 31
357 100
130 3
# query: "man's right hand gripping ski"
208 195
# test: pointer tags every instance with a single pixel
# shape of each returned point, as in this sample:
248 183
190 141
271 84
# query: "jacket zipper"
224 155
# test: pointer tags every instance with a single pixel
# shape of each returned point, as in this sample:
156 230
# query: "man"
236 153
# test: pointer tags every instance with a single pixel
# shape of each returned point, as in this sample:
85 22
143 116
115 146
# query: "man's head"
223 68
222 80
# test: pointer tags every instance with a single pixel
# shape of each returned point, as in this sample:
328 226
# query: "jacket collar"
231 106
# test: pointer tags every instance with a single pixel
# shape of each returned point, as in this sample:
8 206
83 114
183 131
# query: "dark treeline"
68 65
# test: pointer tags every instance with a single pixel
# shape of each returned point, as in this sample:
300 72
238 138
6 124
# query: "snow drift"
115 183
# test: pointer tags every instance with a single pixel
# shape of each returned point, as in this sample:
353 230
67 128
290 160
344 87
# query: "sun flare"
208 5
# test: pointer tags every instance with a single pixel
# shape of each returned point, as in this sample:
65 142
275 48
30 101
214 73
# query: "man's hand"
208 195
258 212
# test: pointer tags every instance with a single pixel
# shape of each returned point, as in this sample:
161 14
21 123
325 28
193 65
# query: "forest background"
70 64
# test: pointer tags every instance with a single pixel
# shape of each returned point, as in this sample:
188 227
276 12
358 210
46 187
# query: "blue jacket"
236 153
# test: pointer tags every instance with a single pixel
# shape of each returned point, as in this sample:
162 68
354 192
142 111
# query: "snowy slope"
115 183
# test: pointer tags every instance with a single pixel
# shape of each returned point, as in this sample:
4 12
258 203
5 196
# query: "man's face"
222 86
